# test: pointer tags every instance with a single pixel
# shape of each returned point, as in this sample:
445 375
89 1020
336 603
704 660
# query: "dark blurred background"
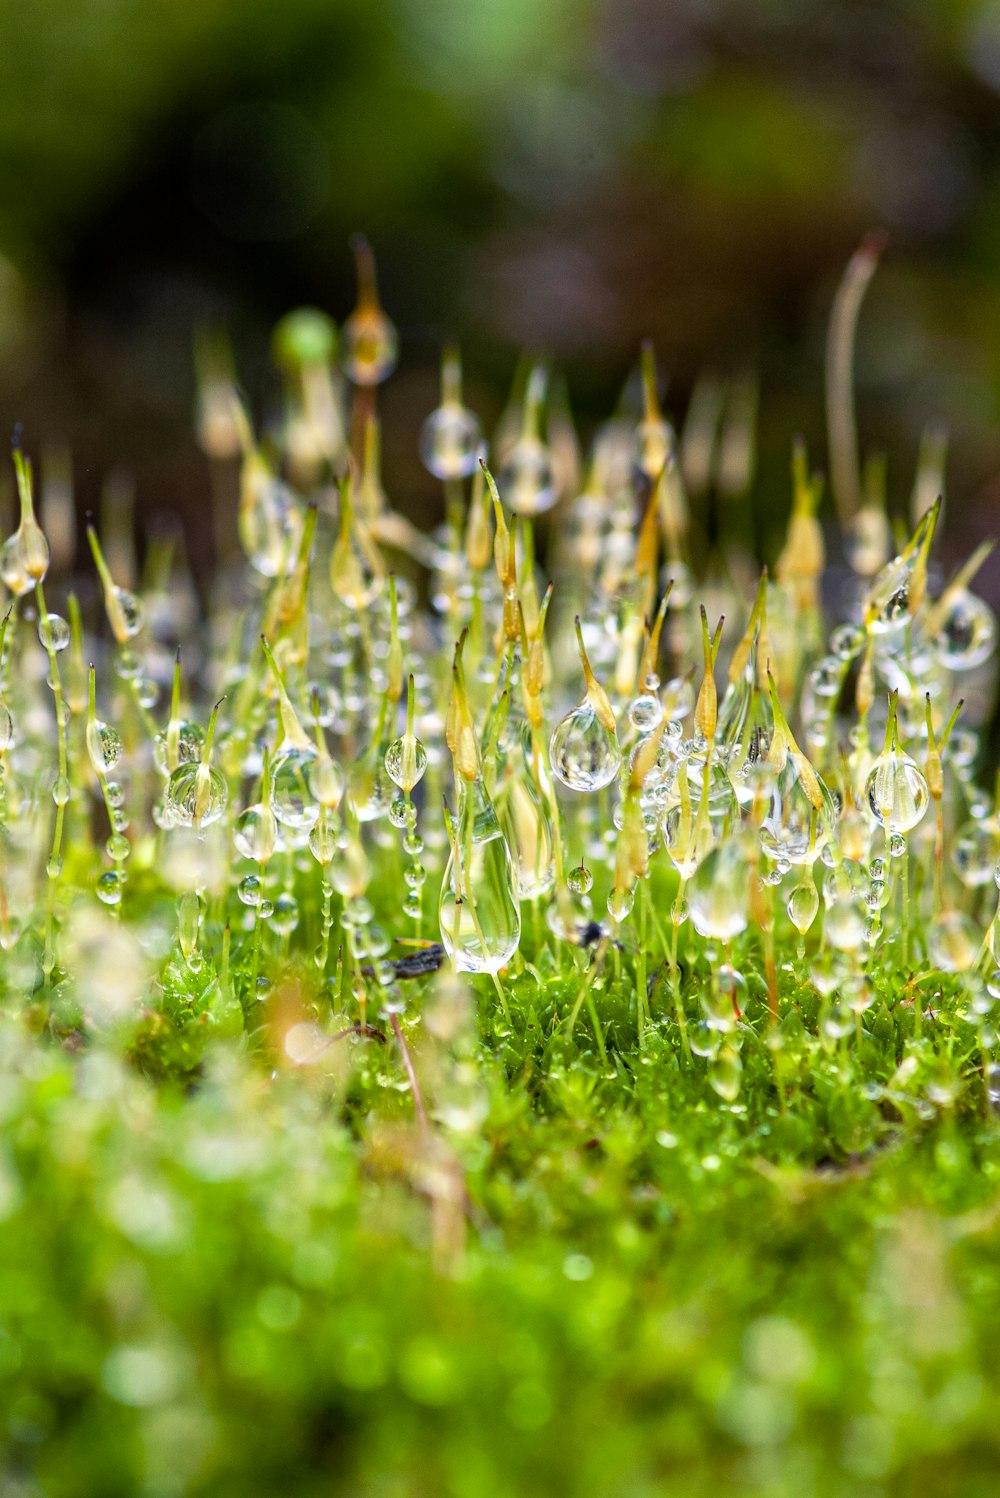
566 175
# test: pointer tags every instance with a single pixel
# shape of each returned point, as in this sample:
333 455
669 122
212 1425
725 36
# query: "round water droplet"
61 790
109 887
249 890
118 847
188 740
645 713
896 791
53 632
450 442
527 480
967 633
620 903
286 915
196 795
583 753
897 845
580 880
265 910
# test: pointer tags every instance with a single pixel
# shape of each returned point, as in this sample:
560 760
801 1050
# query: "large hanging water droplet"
718 892
967 633
291 794
896 791
526 827
583 753
196 794
255 833
479 912
795 829
406 761
953 943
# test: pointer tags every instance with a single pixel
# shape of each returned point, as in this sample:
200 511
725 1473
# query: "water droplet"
844 924
109 887
249 890
527 480
718 892
967 633
725 1073
478 910
584 754
450 441
580 880
803 906
896 791
406 761
620 903
118 847
196 794
525 824
974 854
104 746
645 713
61 790
53 632
286 915
953 943
291 794
188 740
255 833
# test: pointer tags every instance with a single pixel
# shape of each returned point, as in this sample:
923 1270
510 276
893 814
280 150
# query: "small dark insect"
417 964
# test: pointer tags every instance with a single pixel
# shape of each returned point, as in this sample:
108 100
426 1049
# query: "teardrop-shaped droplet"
718 892
479 912
802 906
104 746
953 942
725 1073
255 833
583 753
406 761
796 829
526 827
291 796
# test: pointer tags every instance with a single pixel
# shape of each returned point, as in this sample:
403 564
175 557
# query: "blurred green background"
566 175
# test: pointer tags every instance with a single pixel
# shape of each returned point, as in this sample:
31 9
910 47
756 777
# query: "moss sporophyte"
517 745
